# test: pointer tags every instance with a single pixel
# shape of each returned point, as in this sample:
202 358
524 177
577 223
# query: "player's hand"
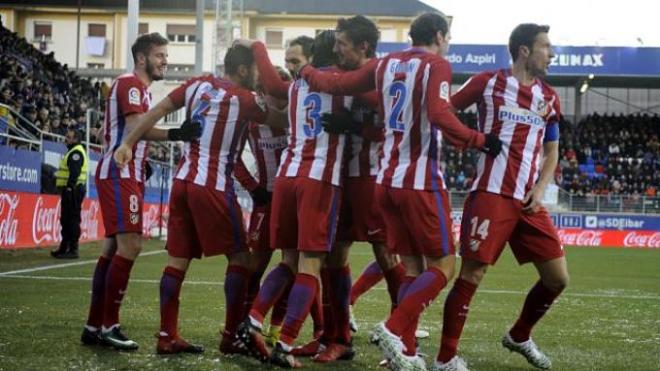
533 200
123 154
189 130
339 123
260 196
493 145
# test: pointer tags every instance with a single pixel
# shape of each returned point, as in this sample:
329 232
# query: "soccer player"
413 95
505 203
356 40
306 200
121 190
205 217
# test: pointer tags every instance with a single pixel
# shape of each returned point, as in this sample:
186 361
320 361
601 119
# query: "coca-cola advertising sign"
29 220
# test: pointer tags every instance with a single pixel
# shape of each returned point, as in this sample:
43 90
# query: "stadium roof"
392 8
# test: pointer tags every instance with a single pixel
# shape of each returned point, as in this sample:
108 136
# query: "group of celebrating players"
347 149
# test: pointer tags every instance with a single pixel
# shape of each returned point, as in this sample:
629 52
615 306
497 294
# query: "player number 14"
480 229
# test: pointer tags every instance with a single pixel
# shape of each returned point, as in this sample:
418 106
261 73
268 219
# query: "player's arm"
241 171
470 92
278 117
441 114
532 200
268 75
342 83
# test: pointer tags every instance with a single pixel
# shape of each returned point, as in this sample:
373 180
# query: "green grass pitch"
608 318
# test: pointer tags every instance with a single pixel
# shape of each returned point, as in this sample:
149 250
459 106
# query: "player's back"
364 150
411 156
223 108
312 152
128 95
267 144
518 115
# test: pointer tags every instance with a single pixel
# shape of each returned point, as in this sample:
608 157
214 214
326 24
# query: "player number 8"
133 204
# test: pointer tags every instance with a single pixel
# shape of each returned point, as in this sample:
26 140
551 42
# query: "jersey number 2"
398 93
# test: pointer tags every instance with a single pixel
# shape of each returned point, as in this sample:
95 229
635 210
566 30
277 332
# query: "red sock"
170 288
419 295
276 284
329 327
408 336
95 317
454 316
393 277
116 282
300 301
538 301
369 277
316 312
341 288
236 282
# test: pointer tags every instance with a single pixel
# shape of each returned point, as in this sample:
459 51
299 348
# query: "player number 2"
480 229
133 204
398 93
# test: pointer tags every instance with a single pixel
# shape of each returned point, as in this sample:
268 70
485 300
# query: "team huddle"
348 148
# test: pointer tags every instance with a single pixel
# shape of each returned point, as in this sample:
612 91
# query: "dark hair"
360 29
236 56
524 35
283 74
144 43
324 45
425 27
306 44
76 134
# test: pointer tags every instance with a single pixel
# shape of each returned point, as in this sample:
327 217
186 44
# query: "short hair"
236 56
425 27
144 43
524 35
306 44
360 29
324 54
76 134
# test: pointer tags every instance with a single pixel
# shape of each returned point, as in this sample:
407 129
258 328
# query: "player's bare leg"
554 279
129 246
169 341
300 300
337 334
91 334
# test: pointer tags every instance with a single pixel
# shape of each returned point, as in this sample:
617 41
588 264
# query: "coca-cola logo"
46 223
89 222
8 221
637 239
580 237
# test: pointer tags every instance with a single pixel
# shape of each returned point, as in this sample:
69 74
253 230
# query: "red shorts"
121 205
259 229
203 220
304 214
359 219
416 222
491 220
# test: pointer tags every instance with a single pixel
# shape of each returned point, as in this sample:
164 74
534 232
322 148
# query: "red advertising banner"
29 220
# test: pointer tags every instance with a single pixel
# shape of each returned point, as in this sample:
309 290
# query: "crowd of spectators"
44 91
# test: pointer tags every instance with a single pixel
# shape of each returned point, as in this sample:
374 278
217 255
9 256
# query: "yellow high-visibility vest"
62 174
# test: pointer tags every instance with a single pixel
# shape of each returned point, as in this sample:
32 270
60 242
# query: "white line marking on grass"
65 265
218 283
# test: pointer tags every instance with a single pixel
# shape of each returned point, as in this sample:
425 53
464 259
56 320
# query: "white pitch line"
218 283
65 265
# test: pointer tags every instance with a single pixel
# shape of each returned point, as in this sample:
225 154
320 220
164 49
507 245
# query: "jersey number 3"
312 126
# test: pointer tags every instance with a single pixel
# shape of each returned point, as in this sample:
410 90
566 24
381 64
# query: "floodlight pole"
131 31
199 36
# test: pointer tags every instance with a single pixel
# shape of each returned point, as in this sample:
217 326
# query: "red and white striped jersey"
267 145
311 151
128 95
364 150
224 109
518 115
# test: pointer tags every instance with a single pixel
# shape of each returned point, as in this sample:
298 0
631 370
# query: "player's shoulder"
547 88
129 80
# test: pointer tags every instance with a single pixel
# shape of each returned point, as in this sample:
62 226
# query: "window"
274 38
181 33
180 67
143 28
43 30
96 30
96 65
388 34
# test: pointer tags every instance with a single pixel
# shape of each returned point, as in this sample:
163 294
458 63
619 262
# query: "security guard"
70 179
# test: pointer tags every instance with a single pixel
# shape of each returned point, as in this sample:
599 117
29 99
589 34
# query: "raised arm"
342 83
270 79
